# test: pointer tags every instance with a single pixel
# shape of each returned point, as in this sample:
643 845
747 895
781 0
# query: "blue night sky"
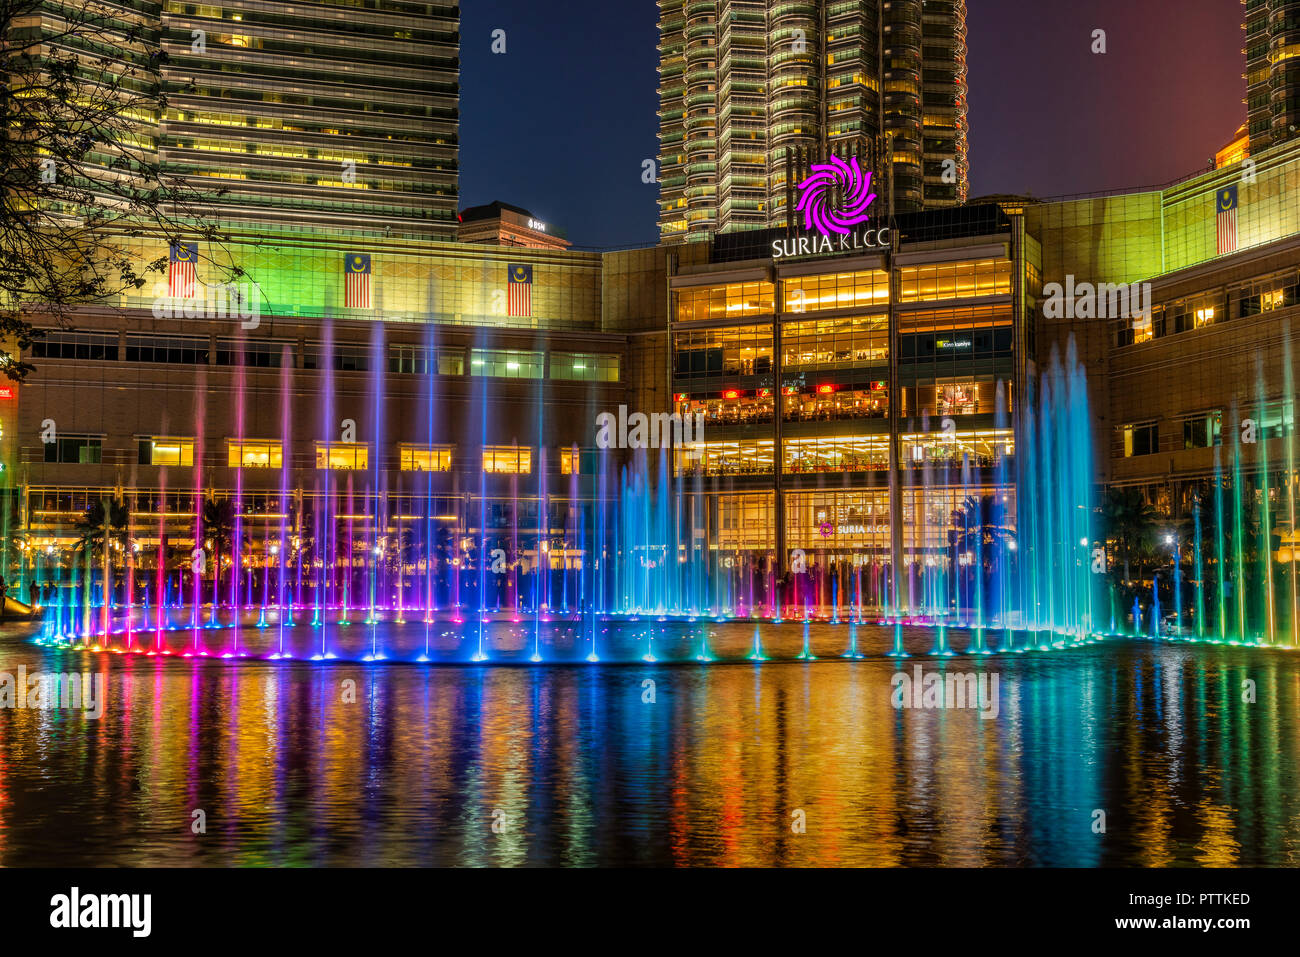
561 123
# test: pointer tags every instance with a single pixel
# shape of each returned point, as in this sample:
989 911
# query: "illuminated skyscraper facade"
754 91
328 113
1272 71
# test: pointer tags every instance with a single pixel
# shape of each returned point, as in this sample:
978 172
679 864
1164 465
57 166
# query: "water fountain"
611 568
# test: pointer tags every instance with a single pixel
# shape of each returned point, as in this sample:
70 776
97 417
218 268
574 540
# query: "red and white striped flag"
356 293
519 285
181 280
1226 203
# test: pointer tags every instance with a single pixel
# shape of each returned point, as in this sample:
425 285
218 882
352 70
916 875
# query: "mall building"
426 383
856 392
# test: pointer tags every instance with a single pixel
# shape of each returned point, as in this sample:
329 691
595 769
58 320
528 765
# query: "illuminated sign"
953 344
537 224
6 392
835 197
827 529
868 240
826 389
731 394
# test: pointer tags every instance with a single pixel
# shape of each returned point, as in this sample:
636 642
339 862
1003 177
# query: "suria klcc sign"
834 226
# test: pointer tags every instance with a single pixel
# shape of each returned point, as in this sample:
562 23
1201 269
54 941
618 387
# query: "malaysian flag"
181 258
1226 203
357 290
520 289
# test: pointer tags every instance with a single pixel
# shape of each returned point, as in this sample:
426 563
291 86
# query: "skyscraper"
752 92
1272 71
317 113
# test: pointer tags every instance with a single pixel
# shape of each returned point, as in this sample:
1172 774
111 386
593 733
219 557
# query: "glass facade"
853 425
257 108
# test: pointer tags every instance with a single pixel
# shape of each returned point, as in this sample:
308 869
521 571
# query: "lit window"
507 460
506 363
570 461
345 456
1141 439
253 454
583 367
161 450
423 458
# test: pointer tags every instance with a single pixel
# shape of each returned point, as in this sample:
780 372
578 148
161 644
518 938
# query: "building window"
827 401
253 454
744 457
257 354
1142 439
75 450
58 344
166 450
425 458
418 360
507 459
342 456
1203 431
979 449
850 290
584 367
835 342
178 350
734 301
723 353
837 454
987 277
346 358
570 461
506 363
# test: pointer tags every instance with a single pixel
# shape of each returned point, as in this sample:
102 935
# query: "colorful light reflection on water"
585 772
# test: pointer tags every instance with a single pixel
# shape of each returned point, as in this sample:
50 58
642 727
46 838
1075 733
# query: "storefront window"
725 458
987 277
823 343
723 353
978 449
854 290
837 454
732 301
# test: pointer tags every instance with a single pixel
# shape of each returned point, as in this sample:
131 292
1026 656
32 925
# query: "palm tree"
219 529
1129 521
981 521
104 523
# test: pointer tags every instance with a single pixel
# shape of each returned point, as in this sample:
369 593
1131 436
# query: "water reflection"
575 765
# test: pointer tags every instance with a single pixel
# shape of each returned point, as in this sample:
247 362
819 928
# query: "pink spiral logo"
816 200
